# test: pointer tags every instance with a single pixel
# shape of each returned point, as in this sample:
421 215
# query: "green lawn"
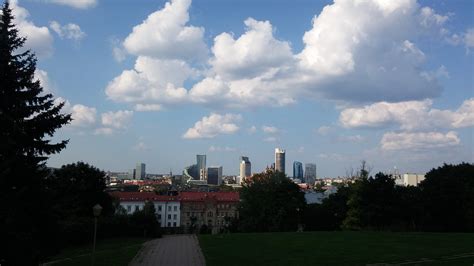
118 251
338 248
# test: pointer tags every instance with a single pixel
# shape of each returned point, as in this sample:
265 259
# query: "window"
174 224
137 208
169 216
169 208
169 224
175 208
209 214
159 208
129 208
175 216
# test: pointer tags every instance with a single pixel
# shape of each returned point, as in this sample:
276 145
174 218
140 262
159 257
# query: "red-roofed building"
188 209
212 209
168 211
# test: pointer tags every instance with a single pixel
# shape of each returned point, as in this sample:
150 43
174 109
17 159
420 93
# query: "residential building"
298 171
409 179
310 173
168 208
214 175
140 171
280 160
212 209
245 169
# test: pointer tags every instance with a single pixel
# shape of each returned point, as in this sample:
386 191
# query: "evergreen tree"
28 119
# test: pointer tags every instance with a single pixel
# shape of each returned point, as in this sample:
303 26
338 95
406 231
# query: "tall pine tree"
28 120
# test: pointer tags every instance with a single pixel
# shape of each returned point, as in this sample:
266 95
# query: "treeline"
443 202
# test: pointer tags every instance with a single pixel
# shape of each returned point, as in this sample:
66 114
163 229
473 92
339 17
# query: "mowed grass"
338 248
115 251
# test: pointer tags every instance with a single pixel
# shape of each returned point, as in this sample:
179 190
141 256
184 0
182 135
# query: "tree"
270 202
28 120
448 196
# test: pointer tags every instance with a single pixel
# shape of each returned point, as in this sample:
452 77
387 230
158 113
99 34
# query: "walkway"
175 250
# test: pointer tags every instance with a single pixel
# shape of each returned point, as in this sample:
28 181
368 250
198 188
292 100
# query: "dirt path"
170 250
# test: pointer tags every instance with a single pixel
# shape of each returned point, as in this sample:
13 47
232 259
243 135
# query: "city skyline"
396 93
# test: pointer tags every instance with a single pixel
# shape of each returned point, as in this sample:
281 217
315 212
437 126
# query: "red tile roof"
142 196
201 196
183 196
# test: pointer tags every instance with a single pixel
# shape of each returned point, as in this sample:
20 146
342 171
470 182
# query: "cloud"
252 129
213 125
117 120
164 35
38 39
80 4
351 138
469 38
270 129
411 115
148 107
419 140
324 130
221 149
270 139
141 146
83 116
152 81
345 56
69 31
44 80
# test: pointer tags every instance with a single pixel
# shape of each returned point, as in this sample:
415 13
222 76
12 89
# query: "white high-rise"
280 160
245 169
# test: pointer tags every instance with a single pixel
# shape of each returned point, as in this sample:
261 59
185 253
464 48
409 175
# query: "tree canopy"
28 118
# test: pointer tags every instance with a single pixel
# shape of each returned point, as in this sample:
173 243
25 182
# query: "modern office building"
214 175
201 163
132 174
245 169
191 172
310 173
298 170
280 160
140 171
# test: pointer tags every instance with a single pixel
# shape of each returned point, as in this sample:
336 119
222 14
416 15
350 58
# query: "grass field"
119 251
338 248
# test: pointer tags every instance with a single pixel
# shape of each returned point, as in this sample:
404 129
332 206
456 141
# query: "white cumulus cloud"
270 129
418 140
164 34
69 31
80 4
213 125
83 116
38 39
117 120
411 115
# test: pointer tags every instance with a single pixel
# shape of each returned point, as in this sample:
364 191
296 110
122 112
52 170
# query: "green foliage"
448 196
28 120
270 202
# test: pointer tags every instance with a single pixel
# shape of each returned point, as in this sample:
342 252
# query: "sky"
332 82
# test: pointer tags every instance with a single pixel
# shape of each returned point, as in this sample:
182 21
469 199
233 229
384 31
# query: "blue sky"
333 83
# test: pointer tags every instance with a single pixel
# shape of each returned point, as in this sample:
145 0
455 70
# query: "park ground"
338 248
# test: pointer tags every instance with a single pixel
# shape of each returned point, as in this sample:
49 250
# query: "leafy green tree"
28 120
76 188
146 220
270 202
448 196
371 203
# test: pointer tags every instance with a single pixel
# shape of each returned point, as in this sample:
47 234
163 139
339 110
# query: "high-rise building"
298 170
280 160
310 173
140 171
214 175
245 169
132 174
201 164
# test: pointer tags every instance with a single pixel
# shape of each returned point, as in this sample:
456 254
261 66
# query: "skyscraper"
298 170
214 175
280 160
140 171
245 169
310 173
201 165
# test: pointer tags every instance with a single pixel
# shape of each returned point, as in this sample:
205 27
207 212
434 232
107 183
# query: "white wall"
168 213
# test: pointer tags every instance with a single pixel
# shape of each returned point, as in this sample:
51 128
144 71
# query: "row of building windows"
158 207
